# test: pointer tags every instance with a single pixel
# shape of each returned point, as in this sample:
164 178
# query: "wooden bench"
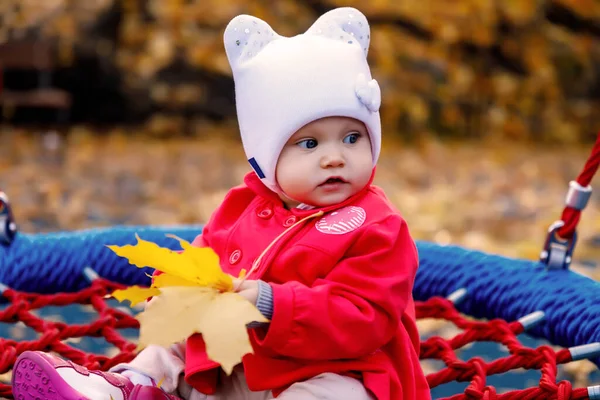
37 55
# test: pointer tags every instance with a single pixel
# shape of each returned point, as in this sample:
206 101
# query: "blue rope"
508 289
54 262
498 287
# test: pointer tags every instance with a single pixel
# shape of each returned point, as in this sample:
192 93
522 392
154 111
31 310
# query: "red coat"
342 292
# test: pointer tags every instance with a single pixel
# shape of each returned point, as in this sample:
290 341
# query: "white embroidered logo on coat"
342 221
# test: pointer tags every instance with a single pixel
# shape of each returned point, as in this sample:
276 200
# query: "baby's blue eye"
352 138
307 143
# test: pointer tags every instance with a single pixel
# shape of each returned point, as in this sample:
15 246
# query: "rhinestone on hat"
246 36
344 24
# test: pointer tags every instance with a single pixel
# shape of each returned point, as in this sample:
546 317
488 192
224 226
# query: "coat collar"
254 183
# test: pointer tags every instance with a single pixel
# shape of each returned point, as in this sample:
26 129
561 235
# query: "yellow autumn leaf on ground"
135 294
199 265
221 318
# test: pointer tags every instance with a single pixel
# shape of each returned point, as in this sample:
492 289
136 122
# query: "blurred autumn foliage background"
460 68
489 110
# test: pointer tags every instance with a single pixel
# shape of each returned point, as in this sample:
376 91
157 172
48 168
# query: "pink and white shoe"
43 376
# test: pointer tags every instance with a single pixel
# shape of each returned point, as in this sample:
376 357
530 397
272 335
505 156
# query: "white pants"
167 365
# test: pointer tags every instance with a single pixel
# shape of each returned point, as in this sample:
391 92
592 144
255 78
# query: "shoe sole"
35 378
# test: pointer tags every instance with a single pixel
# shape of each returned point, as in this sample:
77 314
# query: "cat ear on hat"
245 36
346 24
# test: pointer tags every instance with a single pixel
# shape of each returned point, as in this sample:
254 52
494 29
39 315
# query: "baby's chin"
327 201
317 200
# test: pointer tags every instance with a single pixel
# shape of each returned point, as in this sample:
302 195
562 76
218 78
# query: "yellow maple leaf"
166 280
199 265
207 261
135 294
192 295
221 318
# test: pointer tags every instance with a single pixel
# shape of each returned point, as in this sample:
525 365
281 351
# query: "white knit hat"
282 84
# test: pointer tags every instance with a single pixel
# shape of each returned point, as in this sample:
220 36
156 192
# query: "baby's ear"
346 24
245 36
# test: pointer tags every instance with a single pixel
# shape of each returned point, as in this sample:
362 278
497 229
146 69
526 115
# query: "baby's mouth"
333 180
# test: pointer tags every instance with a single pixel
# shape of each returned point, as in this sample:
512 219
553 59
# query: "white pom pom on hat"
283 83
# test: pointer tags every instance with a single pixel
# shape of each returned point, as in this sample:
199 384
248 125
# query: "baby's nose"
332 160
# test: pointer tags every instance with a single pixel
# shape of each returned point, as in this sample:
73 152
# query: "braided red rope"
475 370
571 216
53 334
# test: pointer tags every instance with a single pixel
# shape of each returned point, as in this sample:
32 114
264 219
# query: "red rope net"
53 334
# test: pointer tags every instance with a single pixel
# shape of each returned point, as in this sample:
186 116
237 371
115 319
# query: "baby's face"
325 162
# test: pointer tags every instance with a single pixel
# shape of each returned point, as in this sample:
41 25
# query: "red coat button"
290 221
235 257
265 213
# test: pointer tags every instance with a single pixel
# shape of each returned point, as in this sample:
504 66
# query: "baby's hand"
248 289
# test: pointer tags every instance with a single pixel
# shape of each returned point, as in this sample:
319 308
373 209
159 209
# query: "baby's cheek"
300 192
294 179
